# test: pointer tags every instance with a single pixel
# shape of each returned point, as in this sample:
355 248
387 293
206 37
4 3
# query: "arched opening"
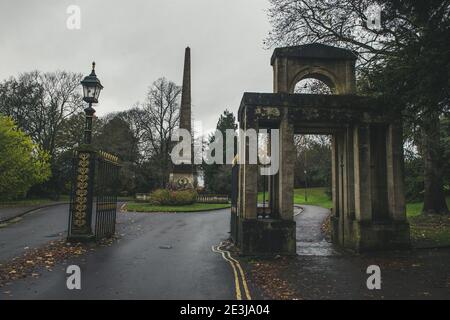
264 210
312 86
312 179
312 193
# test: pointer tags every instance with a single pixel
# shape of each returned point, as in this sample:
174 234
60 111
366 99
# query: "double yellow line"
239 275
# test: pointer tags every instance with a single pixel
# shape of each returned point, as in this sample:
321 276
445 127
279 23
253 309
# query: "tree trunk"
434 198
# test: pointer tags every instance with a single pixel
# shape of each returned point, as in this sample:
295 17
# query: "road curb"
30 210
301 210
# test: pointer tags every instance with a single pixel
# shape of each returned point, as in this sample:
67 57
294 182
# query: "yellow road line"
234 263
244 280
236 278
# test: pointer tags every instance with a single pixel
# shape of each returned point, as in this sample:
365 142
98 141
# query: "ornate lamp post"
91 91
81 203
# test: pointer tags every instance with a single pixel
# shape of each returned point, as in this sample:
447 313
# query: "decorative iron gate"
107 180
93 201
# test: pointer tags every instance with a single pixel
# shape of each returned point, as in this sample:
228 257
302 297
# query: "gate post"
81 199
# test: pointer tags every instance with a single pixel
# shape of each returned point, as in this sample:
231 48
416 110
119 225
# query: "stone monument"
182 175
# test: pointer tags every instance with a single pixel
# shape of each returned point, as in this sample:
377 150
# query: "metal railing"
107 183
212 198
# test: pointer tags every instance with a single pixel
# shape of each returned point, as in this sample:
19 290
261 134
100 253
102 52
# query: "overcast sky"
136 42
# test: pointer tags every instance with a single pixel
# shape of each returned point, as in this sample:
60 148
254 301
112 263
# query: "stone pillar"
340 175
363 194
340 180
335 188
286 171
249 175
250 191
270 178
280 75
395 173
81 202
349 178
372 230
274 236
334 175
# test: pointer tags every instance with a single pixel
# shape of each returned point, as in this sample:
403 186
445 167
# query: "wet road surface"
33 230
157 256
320 271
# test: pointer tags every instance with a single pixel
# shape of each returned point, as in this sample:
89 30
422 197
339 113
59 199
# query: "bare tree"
347 23
39 102
312 86
403 53
155 121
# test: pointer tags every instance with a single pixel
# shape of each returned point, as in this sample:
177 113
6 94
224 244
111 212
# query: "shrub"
169 197
22 162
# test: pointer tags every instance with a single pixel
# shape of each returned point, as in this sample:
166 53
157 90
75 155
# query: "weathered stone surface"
334 66
182 176
185 110
367 173
266 237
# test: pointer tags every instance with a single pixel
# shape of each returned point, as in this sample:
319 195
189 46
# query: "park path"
157 256
310 239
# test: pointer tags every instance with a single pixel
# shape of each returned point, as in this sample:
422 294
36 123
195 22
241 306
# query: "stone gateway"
367 157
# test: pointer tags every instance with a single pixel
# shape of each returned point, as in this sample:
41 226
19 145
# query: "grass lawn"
316 197
146 207
430 230
415 209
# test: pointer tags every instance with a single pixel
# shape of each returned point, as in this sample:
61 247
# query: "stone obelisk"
182 176
185 111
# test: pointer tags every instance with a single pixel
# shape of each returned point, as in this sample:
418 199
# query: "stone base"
266 237
370 236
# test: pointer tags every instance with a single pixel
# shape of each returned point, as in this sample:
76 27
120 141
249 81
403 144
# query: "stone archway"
367 157
314 73
334 66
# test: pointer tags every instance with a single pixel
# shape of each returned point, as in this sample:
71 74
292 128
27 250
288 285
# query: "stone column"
249 175
395 173
286 171
334 175
280 76
336 229
349 178
80 223
270 178
363 194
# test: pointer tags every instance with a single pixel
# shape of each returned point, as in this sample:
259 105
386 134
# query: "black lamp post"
91 91
82 197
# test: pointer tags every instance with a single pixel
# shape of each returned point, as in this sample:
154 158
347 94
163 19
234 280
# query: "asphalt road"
33 230
157 256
